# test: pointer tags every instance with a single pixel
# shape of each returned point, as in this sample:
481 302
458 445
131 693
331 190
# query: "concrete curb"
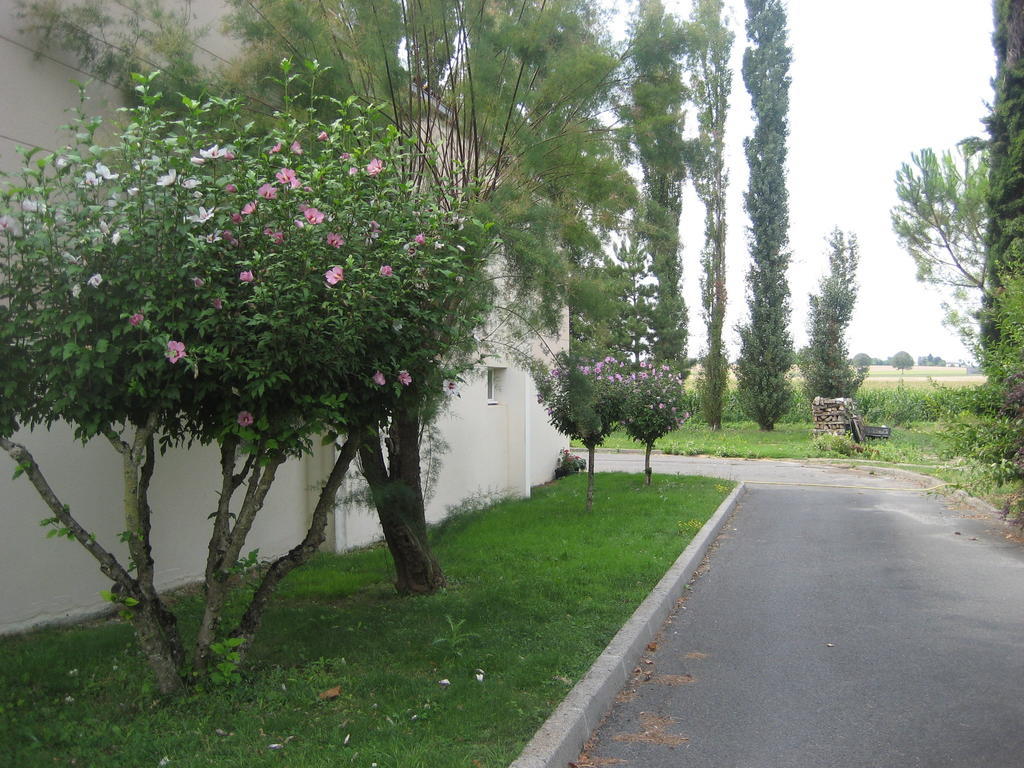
563 735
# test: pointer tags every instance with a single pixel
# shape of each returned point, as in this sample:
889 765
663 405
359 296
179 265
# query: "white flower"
444 683
190 183
102 170
213 237
10 224
204 215
92 180
132 191
479 674
104 227
75 290
167 179
451 388
62 162
212 153
30 206
459 247
116 237
95 280
438 245
197 160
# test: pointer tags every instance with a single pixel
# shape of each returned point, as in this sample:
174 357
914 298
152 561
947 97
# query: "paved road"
849 627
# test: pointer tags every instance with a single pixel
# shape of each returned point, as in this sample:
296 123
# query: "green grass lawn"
537 589
918 444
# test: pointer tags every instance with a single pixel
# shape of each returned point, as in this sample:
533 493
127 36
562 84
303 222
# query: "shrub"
836 445
569 463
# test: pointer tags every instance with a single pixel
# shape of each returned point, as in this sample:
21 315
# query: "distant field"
887 376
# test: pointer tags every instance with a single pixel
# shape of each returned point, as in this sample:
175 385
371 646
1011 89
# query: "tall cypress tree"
654 116
766 348
1006 162
711 84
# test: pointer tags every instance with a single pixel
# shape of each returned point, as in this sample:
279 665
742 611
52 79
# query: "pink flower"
236 217
267 191
300 223
230 189
136 319
353 171
275 149
375 166
217 304
248 208
313 216
198 282
296 148
334 275
420 239
246 276
378 379
175 351
277 237
335 240
386 271
287 176
405 377
245 419
322 135
229 155
346 156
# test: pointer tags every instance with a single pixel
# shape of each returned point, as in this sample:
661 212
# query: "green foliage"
1005 241
862 361
653 403
835 445
941 221
766 348
227 661
824 365
218 282
902 360
632 336
711 83
583 399
569 463
653 118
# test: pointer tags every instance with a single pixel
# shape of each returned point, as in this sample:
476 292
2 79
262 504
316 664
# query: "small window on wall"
495 385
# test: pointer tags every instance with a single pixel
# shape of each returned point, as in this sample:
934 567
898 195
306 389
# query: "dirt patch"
625 696
672 679
585 761
653 732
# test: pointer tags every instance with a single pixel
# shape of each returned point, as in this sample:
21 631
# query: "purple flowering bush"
584 402
653 406
206 279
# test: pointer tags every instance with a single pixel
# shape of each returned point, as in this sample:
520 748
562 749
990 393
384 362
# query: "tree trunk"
590 478
647 462
397 492
303 551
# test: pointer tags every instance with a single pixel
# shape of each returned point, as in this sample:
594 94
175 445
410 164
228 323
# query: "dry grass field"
887 376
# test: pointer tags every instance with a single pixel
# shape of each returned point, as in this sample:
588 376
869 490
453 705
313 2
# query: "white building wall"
493 450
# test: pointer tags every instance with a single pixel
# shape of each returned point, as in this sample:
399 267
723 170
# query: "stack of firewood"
832 415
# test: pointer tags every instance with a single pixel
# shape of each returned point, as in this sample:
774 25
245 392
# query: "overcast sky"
872 82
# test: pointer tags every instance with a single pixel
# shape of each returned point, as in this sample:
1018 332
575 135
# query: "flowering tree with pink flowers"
584 401
652 406
206 280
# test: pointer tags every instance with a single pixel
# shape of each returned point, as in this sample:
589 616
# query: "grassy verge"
537 589
918 444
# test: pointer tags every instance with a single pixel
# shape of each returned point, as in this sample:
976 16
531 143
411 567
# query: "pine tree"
711 84
631 336
654 117
766 348
825 363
